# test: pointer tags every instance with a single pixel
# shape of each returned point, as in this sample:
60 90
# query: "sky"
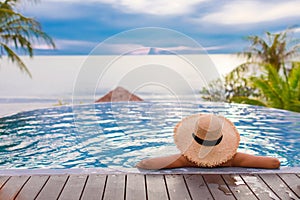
219 26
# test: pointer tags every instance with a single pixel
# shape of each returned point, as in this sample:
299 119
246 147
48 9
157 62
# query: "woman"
207 140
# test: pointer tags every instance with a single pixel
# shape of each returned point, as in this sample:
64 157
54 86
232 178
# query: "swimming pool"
118 135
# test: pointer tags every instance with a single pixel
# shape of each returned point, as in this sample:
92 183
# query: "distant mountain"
150 51
157 51
119 94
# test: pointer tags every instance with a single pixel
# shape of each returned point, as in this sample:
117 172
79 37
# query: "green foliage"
279 91
19 32
227 90
214 92
238 85
60 103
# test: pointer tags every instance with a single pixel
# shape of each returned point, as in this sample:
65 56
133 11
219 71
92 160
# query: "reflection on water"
120 134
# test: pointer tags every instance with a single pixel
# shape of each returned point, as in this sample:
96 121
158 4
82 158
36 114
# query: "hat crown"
209 127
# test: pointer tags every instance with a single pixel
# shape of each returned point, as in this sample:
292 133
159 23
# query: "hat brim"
201 155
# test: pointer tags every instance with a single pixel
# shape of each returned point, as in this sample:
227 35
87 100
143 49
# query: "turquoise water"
119 135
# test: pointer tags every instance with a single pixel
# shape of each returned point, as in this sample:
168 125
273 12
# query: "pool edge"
227 170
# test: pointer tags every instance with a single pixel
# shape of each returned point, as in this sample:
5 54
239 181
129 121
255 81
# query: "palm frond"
20 32
294 106
272 96
15 58
274 79
294 76
294 80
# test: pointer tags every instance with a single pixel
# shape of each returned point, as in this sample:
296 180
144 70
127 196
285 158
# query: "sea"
63 80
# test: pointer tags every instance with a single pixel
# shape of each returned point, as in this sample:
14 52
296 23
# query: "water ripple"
121 134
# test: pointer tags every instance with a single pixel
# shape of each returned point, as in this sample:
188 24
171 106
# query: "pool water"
119 135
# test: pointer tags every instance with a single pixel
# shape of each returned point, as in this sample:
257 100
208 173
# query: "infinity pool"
118 135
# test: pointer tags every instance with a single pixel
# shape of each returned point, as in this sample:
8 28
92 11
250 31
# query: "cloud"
251 12
154 7
296 30
158 7
214 48
121 48
219 26
67 44
42 47
52 10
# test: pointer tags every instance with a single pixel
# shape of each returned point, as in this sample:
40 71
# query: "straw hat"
207 140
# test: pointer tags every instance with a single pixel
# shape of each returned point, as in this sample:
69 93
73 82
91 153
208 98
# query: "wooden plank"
292 181
73 188
156 187
259 188
177 187
135 187
115 187
238 187
94 187
197 187
12 187
278 186
53 187
32 188
3 180
218 187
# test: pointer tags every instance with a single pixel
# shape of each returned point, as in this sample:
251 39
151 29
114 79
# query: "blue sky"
220 26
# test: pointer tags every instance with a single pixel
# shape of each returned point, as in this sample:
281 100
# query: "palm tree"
277 50
18 34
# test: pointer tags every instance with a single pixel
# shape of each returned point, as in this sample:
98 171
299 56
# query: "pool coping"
225 170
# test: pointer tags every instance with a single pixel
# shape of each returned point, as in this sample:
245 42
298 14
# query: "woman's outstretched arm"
167 162
251 161
239 160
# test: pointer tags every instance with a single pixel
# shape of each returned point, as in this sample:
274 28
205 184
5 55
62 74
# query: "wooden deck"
151 187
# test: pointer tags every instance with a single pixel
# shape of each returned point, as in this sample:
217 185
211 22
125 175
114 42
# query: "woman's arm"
172 161
247 160
239 160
